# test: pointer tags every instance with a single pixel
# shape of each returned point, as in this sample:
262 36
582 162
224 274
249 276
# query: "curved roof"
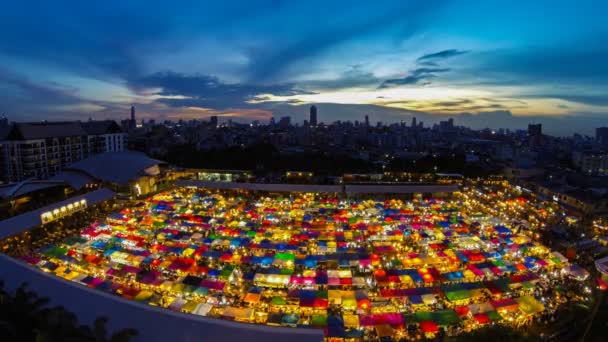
27 186
116 167
20 223
74 178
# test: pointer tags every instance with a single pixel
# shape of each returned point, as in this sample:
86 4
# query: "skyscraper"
601 135
213 121
535 133
535 129
313 115
133 123
366 121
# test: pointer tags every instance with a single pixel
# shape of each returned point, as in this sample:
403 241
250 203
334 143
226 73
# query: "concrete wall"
152 323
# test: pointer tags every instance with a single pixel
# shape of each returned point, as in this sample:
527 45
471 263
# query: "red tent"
482 318
429 327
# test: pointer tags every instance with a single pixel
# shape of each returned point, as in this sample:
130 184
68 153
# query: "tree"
25 316
495 333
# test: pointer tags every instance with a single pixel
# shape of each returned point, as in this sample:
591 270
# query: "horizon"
484 63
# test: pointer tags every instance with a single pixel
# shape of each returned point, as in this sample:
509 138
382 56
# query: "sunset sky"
501 63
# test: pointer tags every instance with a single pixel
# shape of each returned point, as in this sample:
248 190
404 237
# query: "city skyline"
502 65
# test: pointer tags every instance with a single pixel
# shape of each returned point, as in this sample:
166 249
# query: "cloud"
586 99
428 58
454 103
429 68
354 77
416 76
407 17
18 94
180 90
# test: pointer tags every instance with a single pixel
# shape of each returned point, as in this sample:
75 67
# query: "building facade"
42 149
591 162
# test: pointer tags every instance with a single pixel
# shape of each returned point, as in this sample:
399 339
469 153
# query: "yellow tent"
351 321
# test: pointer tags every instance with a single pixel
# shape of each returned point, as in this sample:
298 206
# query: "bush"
25 316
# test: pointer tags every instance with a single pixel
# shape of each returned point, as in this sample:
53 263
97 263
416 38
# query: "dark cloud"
440 55
408 17
429 68
32 91
19 94
208 91
428 63
106 40
503 100
454 103
353 77
416 76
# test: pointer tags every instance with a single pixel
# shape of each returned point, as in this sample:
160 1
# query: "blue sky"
488 63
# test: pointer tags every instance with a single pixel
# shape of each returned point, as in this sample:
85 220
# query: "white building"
42 149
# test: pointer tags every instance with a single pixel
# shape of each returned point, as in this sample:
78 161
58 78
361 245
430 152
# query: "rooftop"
116 167
42 130
101 127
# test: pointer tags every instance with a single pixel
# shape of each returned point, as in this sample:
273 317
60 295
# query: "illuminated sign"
65 210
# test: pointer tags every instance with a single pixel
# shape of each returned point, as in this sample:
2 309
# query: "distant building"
535 133
213 121
313 115
284 122
4 129
591 162
601 136
535 129
42 149
366 121
104 136
133 123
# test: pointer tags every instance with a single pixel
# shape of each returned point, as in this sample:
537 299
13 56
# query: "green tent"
285 256
422 316
319 320
494 316
201 290
276 300
55 251
321 294
446 317
498 263
459 294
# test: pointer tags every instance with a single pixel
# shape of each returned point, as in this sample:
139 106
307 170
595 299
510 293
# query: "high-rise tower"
313 115
133 123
